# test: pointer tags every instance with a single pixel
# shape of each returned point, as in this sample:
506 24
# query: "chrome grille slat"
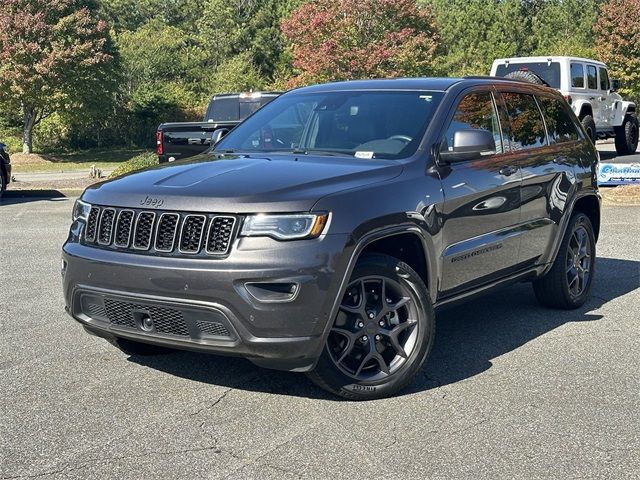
105 228
124 227
144 230
219 235
166 231
92 224
191 233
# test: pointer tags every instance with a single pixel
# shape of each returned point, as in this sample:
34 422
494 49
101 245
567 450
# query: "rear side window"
475 111
560 127
592 77
527 128
577 75
604 79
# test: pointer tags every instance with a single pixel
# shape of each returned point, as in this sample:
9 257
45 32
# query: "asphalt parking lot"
511 389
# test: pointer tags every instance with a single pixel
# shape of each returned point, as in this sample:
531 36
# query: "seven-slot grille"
163 232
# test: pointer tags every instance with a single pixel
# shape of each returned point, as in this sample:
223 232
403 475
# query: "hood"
241 183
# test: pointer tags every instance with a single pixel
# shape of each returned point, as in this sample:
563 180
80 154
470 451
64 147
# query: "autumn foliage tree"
349 39
618 41
52 54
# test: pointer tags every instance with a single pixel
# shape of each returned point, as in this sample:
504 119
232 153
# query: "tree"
618 42
52 53
337 40
565 27
475 32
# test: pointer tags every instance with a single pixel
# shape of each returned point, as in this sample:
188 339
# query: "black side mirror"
217 135
469 145
615 85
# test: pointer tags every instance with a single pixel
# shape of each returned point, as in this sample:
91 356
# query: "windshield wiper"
331 153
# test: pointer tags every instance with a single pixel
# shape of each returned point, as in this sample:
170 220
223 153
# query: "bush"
144 160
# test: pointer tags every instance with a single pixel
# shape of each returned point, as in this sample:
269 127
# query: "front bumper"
204 305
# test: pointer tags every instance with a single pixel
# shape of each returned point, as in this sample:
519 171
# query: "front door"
481 202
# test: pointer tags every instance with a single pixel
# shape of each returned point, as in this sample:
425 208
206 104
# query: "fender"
565 223
628 107
579 104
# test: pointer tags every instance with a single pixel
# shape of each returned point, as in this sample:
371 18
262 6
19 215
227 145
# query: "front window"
604 79
363 124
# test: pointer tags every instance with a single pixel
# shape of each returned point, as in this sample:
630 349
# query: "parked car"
179 140
587 87
5 168
327 248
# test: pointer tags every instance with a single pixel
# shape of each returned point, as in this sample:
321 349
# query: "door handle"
560 160
508 170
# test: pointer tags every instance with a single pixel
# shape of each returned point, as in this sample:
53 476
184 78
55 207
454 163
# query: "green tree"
618 42
565 27
475 32
53 55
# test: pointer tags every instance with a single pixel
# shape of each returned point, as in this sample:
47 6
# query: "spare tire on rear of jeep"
526 76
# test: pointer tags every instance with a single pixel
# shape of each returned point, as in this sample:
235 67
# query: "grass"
108 159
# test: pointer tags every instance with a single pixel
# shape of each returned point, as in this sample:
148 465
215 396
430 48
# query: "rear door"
482 201
546 162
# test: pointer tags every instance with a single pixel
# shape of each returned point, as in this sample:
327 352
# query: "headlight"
284 227
80 211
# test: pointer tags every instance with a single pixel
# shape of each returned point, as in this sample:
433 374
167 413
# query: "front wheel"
382 334
627 136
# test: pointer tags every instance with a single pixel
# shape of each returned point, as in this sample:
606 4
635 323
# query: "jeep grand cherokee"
323 232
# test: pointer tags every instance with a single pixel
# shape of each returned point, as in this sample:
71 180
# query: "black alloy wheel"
382 333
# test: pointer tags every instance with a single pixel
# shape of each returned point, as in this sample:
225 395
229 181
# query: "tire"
556 289
403 307
590 127
526 76
627 136
3 184
131 347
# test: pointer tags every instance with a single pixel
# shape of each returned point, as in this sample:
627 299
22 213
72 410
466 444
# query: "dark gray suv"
323 232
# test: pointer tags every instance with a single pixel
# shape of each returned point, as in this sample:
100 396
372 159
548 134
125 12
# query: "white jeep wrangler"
586 86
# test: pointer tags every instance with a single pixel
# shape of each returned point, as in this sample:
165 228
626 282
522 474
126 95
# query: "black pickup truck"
178 140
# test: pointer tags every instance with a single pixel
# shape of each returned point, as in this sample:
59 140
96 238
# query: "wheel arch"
585 109
590 206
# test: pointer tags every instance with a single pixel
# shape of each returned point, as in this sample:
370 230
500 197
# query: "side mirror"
217 135
615 85
469 145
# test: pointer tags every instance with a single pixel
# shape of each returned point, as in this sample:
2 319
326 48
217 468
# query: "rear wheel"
627 136
568 284
3 184
590 126
131 347
382 334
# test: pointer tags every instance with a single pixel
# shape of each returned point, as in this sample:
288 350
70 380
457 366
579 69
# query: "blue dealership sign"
619 174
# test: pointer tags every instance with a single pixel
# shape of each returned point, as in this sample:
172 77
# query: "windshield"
364 124
548 71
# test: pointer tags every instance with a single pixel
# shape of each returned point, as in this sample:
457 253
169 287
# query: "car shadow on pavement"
12 197
468 338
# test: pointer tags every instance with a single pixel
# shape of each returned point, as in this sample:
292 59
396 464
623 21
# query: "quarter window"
527 126
560 127
475 111
592 77
577 75
604 79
